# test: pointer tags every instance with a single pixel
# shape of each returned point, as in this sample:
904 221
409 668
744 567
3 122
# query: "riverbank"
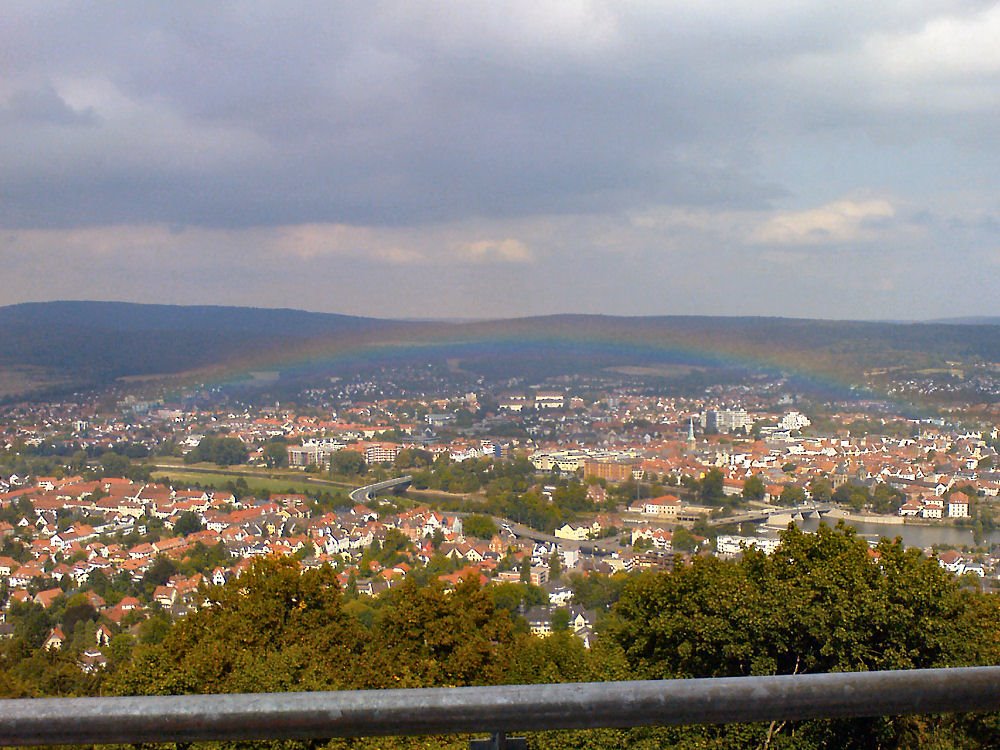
838 514
781 520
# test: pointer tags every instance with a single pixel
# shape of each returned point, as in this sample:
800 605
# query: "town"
117 511
577 374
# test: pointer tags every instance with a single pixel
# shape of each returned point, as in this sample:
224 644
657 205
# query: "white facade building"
794 420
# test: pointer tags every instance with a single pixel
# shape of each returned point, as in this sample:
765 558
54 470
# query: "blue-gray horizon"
473 160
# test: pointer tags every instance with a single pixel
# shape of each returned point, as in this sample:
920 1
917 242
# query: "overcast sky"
466 159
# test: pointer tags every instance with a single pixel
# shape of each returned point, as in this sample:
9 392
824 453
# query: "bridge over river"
796 513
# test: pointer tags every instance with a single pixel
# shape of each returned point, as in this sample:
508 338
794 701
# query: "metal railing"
497 710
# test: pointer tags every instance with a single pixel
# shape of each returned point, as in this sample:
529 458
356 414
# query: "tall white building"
727 420
794 420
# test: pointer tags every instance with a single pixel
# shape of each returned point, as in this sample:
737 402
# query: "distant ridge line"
173 310
83 342
975 321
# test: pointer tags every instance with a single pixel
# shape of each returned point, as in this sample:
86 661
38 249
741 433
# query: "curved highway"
369 491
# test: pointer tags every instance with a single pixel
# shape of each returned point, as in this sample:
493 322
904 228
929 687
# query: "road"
365 494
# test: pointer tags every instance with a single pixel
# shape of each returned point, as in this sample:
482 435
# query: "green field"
256 481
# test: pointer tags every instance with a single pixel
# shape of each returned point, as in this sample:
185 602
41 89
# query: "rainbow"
626 341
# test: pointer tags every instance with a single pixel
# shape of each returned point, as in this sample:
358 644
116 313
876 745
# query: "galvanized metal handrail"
187 718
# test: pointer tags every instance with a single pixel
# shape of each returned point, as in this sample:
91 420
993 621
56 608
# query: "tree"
853 495
155 629
239 488
437 538
683 540
76 612
555 566
511 596
530 509
31 624
886 499
161 571
273 629
276 454
754 488
394 544
710 487
119 650
821 490
792 494
596 590
480 526
822 603
202 558
78 461
188 523
561 657
114 465
559 619
348 462
412 458
223 451
425 637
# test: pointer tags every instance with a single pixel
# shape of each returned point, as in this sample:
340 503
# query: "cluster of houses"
116 526
78 528
315 451
955 505
961 563
621 436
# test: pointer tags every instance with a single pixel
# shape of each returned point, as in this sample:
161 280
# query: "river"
912 535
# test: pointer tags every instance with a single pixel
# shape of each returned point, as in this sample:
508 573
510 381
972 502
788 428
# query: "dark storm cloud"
539 156
381 116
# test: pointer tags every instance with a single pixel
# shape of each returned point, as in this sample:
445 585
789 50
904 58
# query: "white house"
932 509
577 533
727 544
958 505
666 506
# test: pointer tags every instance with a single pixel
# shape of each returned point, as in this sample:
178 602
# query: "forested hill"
95 342
127 316
84 343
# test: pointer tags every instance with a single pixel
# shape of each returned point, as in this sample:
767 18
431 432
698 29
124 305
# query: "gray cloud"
728 137
386 117
44 106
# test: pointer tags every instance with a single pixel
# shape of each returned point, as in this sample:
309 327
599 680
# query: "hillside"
84 343
76 344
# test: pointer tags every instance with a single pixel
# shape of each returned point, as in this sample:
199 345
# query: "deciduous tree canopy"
822 602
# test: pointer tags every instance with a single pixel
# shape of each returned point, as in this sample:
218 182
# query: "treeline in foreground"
824 602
